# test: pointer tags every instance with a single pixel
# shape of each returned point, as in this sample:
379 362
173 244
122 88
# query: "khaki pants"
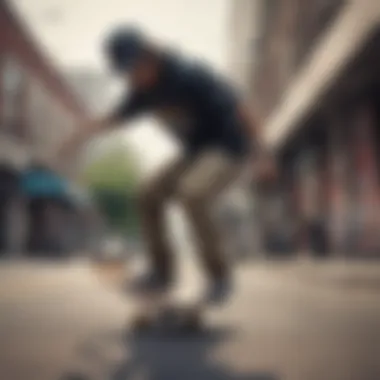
196 184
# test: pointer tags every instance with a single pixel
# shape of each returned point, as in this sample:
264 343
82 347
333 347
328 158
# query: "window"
13 90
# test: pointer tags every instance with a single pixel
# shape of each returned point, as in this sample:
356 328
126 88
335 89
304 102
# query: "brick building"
37 108
37 111
314 84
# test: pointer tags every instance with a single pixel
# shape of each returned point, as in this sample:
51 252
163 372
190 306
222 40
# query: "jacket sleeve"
131 106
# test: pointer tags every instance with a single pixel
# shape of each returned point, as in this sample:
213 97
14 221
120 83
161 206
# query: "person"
217 134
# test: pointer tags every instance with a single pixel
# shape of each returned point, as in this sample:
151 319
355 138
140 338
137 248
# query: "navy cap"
124 46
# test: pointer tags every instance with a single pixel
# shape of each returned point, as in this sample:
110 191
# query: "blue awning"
43 183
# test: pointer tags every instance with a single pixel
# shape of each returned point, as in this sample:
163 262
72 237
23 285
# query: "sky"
71 32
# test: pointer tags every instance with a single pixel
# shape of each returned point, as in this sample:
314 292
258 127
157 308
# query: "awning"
40 183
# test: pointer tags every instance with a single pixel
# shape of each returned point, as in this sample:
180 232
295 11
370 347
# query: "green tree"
112 179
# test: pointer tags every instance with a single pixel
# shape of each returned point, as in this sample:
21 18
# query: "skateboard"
162 312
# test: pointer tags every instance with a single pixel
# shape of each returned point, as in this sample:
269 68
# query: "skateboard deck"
163 312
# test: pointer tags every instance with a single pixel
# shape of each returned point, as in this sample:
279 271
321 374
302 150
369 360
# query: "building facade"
314 85
37 111
37 108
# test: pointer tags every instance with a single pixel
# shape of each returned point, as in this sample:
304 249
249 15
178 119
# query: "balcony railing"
290 29
313 19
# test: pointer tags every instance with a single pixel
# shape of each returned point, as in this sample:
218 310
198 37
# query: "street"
58 320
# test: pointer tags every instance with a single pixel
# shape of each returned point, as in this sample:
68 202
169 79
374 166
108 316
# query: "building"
37 111
314 84
94 87
243 42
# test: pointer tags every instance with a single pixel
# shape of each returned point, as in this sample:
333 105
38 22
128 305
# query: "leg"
207 177
153 198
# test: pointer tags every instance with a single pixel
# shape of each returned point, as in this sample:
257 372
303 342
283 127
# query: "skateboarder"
216 131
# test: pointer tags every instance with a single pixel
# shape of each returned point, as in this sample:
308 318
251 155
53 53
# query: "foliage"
112 179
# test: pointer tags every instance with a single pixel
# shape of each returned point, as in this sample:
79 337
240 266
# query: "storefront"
303 191
339 211
366 171
336 164
47 198
37 111
12 212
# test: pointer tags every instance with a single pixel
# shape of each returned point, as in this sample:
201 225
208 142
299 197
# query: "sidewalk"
352 274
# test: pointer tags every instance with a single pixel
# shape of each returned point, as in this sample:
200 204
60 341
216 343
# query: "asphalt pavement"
60 320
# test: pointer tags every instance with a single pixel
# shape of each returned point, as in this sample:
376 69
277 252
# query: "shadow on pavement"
185 357
172 356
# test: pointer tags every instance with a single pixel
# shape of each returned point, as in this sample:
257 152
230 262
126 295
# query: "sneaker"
150 282
219 291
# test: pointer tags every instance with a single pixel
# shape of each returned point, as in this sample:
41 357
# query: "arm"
86 131
128 108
